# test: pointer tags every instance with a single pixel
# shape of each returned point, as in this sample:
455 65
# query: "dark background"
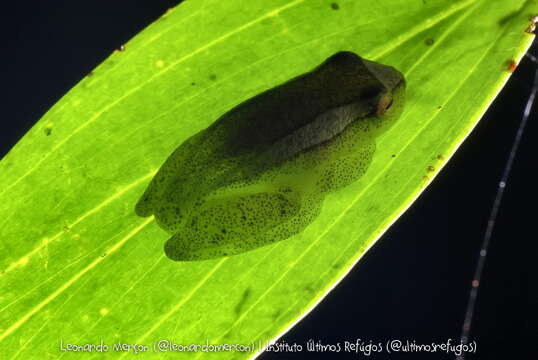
414 283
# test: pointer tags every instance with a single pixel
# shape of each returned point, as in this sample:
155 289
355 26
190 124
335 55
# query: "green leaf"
79 266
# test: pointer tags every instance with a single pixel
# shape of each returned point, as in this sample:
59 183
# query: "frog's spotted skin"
259 174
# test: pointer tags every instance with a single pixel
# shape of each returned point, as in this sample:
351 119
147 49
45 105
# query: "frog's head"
390 99
377 91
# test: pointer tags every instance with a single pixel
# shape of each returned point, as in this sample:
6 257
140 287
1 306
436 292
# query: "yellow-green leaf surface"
78 266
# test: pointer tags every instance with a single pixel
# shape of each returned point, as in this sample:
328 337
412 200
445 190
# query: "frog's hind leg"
178 169
234 226
147 204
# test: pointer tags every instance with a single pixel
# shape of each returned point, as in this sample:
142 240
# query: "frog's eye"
383 105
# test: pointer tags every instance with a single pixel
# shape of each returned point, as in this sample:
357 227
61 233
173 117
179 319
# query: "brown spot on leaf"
511 66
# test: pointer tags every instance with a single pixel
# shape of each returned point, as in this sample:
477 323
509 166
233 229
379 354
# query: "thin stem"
466 328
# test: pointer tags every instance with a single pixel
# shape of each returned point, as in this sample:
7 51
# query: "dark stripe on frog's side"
259 122
324 128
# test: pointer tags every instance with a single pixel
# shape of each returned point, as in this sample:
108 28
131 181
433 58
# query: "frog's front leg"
349 156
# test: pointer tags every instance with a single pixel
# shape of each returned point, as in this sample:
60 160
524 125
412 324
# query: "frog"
260 173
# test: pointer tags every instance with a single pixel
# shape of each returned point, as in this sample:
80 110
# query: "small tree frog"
259 173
